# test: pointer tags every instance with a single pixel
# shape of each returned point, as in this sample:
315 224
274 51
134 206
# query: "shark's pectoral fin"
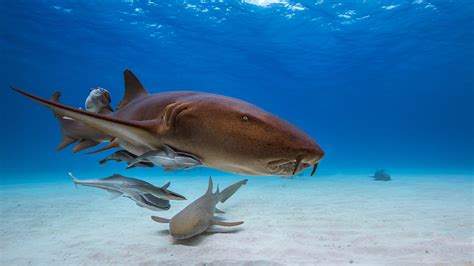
160 220
219 211
131 131
216 222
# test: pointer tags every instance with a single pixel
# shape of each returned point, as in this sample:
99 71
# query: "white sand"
325 220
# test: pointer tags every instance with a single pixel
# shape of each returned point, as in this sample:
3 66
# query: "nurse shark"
222 132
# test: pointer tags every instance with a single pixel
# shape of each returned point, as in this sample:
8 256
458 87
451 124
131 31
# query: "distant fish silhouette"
380 175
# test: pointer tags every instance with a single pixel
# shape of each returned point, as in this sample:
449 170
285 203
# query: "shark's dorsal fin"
209 187
133 88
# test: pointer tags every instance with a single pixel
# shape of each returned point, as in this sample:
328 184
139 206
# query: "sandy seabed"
306 220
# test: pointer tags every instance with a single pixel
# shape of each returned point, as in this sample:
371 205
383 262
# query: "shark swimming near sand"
223 132
198 216
119 185
381 175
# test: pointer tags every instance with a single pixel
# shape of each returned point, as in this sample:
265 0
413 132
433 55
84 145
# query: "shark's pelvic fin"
84 144
216 222
160 220
137 132
65 142
113 144
133 88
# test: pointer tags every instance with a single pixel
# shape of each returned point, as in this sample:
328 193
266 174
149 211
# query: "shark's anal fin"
133 88
160 220
221 223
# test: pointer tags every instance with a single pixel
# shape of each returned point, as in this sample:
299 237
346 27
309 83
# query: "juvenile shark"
224 133
380 175
198 216
118 186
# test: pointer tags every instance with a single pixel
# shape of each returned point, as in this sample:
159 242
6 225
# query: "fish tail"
74 179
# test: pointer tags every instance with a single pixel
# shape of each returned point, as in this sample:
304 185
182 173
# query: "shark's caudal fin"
74 179
133 89
230 190
136 132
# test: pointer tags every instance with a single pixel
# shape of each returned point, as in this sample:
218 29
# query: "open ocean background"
378 84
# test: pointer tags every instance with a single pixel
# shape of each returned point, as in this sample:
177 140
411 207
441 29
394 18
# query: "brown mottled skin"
225 133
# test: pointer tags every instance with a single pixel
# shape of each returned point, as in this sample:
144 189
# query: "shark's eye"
245 118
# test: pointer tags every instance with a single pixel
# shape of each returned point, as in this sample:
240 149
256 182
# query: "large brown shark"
223 132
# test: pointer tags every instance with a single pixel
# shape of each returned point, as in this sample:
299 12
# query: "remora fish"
98 99
117 185
224 133
167 158
199 215
127 157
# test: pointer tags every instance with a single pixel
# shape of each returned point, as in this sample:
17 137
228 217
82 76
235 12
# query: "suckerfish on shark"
224 133
119 185
167 158
127 157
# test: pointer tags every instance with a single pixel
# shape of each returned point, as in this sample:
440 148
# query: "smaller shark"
380 175
198 216
167 158
125 156
117 185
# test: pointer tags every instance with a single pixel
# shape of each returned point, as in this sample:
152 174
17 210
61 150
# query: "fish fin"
115 194
219 211
66 141
84 144
133 88
113 144
74 179
136 132
230 190
216 222
165 186
209 187
160 220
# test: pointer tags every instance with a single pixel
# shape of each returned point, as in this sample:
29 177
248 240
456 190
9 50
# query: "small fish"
118 185
168 159
98 98
125 156
380 175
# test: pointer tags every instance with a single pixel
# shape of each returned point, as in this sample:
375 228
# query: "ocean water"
377 84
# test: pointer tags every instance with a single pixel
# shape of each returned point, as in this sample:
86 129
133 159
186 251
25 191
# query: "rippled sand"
307 220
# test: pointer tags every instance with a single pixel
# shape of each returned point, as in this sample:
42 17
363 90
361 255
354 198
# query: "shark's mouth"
286 167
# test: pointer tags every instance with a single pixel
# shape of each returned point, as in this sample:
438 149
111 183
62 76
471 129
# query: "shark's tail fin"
74 179
230 190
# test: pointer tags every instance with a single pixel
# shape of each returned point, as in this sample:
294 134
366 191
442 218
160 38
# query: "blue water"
378 84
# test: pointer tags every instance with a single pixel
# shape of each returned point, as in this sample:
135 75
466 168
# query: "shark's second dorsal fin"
133 88
209 188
